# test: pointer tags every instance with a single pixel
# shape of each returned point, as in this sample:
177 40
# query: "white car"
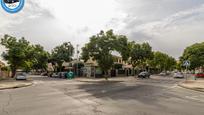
163 74
21 76
178 75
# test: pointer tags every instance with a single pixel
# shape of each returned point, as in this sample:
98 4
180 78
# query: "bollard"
195 78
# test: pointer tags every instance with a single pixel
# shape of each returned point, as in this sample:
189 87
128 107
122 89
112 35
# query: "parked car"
178 75
199 75
10 1
144 75
62 74
163 74
54 75
21 76
44 74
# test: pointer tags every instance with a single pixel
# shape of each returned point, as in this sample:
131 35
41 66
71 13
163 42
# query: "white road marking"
38 82
174 86
197 98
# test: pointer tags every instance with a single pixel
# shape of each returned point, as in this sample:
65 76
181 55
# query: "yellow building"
2 64
118 59
126 67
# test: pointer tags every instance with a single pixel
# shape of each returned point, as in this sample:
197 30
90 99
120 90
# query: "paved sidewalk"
10 84
197 85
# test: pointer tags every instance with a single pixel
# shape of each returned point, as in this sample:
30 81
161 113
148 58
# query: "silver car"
21 76
178 75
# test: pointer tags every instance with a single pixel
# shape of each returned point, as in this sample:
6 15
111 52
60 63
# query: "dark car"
144 75
10 1
62 75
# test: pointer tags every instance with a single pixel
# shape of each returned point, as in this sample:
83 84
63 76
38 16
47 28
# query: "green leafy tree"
21 54
100 48
163 62
40 58
139 54
122 46
179 66
62 53
102 45
17 52
85 53
195 54
170 63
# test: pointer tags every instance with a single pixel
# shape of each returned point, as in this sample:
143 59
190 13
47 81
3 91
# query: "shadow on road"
119 91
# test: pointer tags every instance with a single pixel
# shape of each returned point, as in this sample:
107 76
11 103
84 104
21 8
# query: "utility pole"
77 59
70 51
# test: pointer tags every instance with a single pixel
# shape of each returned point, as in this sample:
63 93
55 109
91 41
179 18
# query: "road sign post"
186 64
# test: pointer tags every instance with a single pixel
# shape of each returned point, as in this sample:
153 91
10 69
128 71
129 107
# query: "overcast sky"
168 25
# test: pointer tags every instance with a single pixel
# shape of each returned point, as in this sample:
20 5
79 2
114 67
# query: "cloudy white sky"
168 25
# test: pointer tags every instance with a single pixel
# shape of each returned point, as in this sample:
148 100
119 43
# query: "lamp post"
77 59
70 51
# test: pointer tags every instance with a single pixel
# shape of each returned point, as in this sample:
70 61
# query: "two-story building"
125 70
91 68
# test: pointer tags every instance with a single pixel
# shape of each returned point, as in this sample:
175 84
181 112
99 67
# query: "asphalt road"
50 96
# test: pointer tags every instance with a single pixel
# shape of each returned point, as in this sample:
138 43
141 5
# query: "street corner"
193 85
12 84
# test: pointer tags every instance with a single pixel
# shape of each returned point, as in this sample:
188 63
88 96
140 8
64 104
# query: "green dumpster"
70 75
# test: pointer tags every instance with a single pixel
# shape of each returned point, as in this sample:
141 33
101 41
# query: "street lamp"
77 59
70 51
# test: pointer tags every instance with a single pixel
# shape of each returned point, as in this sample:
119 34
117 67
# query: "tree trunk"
13 73
133 72
106 75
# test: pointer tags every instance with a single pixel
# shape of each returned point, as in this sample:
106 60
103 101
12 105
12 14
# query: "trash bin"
70 75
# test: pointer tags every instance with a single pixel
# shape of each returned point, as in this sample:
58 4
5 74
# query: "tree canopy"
20 54
162 61
102 45
140 53
40 57
195 54
62 53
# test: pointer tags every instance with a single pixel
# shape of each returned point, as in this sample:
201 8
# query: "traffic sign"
186 63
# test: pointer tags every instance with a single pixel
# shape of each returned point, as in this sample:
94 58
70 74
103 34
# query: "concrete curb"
17 86
99 81
186 87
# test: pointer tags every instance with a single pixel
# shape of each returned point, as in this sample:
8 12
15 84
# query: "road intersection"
119 96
